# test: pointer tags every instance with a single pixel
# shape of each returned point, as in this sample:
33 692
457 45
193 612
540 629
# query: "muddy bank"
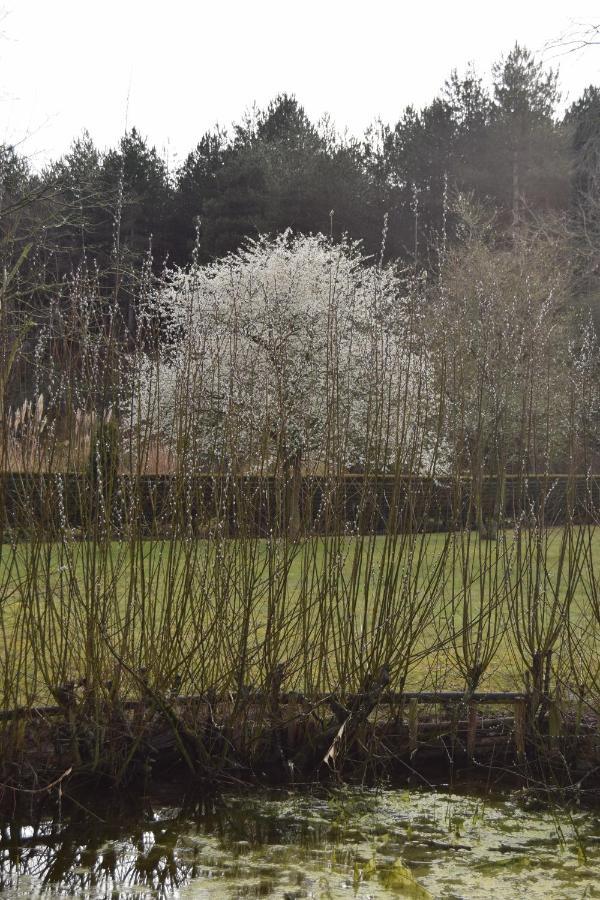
287 739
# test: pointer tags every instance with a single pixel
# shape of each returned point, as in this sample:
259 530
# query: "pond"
354 843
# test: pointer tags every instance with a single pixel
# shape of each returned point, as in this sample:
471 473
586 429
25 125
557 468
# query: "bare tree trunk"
516 194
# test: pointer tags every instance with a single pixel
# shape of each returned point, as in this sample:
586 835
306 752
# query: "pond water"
347 843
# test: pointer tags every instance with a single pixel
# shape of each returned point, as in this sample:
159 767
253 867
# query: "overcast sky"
174 68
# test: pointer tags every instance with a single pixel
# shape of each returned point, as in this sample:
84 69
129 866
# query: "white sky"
176 67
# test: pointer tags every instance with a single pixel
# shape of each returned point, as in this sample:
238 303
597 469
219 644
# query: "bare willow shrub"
580 667
502 322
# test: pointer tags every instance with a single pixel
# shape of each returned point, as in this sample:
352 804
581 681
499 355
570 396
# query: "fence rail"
258 506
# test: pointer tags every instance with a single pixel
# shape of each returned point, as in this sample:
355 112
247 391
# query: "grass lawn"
224 613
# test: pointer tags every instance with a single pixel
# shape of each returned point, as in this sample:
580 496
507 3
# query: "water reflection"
371 844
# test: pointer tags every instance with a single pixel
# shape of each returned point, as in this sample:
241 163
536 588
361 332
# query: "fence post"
413 724
520 708
471 728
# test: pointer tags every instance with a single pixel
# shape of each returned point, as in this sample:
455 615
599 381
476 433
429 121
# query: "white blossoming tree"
293 355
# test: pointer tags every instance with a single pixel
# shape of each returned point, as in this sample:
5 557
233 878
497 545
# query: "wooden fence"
160 505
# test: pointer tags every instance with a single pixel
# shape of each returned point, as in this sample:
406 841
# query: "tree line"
505 144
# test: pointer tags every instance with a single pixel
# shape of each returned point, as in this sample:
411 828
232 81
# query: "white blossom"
292 348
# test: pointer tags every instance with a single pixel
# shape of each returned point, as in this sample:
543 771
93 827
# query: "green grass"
223 613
